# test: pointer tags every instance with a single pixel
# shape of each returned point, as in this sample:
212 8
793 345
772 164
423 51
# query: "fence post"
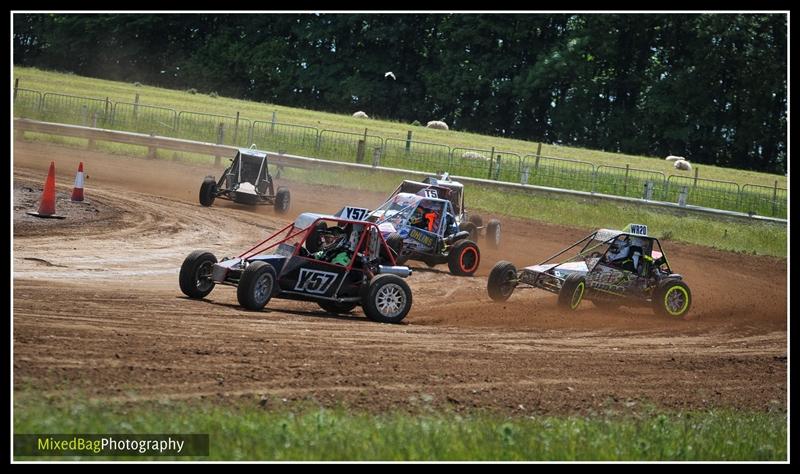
774 198
220 138
526 171
408 142
625 184
274 119
696 172
683 196
236 129
497 168
108 106
538 155
491 163
648 190
360 151
136 107
376 156
16 86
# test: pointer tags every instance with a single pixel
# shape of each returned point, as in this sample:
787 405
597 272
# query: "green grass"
245 431
31 78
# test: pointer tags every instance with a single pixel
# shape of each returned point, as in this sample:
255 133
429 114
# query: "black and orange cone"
47 206
77 191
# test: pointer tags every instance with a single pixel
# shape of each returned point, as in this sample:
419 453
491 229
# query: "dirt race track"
97 309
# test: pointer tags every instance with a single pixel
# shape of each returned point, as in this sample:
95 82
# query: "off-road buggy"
425 228
337 262
246 181
445 188
613 268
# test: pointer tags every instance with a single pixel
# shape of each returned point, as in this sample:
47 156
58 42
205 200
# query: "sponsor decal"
314 281
422 237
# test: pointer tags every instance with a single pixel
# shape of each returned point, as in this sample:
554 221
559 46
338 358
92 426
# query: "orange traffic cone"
77 191
47 207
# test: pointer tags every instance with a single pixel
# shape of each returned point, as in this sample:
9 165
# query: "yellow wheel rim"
577 295
676 300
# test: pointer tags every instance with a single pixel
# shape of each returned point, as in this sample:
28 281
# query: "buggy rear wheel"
282 199
572 291
502 280
672 298
464 258
256 285
208 192
387 299
195 276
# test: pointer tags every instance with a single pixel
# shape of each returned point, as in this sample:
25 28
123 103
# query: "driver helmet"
417 217
333 237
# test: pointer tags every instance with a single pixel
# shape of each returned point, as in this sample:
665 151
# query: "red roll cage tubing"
259 247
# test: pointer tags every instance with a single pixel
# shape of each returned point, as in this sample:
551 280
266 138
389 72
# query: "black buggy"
246 181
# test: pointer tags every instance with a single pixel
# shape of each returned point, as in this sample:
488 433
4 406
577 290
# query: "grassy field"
246 431
721 233
46 81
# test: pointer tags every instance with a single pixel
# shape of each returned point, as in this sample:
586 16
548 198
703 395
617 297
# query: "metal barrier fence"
284 137
703 192
399 153
140 118
763 200
220 129
631 182
27 103
559 173
344 146
415 155
76 110
488 164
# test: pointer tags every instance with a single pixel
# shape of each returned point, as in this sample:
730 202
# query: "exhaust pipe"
457 236
398 270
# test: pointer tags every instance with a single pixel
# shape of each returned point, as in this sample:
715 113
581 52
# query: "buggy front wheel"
195 276
256 285
502 281
464 258
208 192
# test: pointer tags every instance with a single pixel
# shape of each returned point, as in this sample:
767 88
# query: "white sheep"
473 155
438 124
674 158
683 165
360 114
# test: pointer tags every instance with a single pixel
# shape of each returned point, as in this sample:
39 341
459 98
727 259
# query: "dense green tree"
712 87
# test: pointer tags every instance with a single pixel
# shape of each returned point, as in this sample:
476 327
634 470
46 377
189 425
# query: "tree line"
711 87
